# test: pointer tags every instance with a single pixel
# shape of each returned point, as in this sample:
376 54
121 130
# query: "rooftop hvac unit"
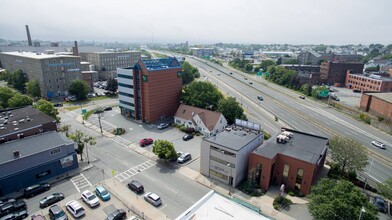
16 154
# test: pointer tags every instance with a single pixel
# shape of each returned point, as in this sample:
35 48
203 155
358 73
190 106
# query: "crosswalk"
121 177
72 114
80 182
122 141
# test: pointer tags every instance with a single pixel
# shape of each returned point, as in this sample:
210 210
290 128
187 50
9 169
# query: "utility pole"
99 119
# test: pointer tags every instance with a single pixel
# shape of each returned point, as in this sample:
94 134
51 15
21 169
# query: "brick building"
379 104
307 74
295 162
150 91
335 73
368 82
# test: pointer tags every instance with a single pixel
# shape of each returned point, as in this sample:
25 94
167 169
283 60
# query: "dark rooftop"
163 63
32 145
19 119
302 146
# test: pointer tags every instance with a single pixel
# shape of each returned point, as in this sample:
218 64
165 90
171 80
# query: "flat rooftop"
159 64
386 96
234 139
372 76
32 145
301 146
20 119
36 55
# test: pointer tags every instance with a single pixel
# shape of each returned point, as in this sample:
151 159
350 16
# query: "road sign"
84 111
323 93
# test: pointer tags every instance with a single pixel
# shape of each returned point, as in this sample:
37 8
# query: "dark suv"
136 186
36 189
9 207
119 214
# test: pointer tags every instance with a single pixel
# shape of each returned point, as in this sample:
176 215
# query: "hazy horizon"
298 22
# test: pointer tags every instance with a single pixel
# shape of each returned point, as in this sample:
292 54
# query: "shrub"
380 119
183 128
352 175
118 131
291 193
267 135
281 202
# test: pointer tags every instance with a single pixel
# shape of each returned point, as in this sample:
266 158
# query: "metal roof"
159 64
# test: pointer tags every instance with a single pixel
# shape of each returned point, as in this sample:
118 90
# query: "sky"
337 22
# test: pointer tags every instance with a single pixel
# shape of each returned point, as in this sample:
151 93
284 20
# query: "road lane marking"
80 182
127 174
170 189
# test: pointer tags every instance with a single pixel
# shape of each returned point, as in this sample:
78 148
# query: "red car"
146 141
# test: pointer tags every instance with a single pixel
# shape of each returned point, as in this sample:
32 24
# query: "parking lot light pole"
99 119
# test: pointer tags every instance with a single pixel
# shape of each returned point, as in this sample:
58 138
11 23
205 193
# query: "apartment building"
368 82
333 73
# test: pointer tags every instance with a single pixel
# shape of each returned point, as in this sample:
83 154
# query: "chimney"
75 50
28 36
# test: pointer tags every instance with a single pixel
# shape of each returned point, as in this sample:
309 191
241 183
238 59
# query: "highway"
303 115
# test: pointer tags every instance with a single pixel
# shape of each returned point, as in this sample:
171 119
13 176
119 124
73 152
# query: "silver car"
378 144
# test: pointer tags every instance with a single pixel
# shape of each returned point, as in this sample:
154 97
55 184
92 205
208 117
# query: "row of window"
126 94
127 103
125 85
222 161
364 80
219 175
222 151
124 76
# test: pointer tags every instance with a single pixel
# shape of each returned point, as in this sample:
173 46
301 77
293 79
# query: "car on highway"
16 215
162 126
378 144
118 214
89 198
10 207
302 97
380 204
51 199
231 73
251 83
36 189
145 141
187 137
75 208
246 78
153 199
57 213
99 111
102 193
136 186
184 158
260 98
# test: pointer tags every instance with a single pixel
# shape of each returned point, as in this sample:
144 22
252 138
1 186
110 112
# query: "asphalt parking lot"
348 97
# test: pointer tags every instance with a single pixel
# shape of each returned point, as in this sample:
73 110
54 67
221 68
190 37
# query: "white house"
205 121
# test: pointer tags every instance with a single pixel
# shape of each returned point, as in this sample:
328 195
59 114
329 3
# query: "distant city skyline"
200 22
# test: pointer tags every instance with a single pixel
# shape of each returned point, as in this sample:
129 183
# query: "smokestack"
75 50
28 36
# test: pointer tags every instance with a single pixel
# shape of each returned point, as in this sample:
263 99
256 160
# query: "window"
55 151
219 175
298 180
218 160
285 173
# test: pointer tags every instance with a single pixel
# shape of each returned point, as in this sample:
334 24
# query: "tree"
389 47
291 61
164 149
340 199
249 67
231 109
5 95
47 108
266 63
33 88
385 188
189 73
65 129
79 88
349 154
5 75
88 140
19 100
19 80
201 94
78 137
112 85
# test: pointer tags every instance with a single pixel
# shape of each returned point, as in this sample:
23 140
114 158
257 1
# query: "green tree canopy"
5 95
189 73
249 67
266 63
19 100
33 88
338 200
79 88
19 80
231 109
349 154
5 75
112 85
201 94
164 149
81 139
385 188
47 108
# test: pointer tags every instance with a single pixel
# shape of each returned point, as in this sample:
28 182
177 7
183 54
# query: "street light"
360 214
370 168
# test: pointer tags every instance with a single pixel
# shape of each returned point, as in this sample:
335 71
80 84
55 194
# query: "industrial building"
292 158
150 91
224 156
202 52
378 104
35 159
366 82
334 73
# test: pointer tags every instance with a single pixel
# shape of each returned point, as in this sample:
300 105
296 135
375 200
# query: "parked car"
9 207
38 217
102 193
119 214
302 97
57 213
18 215
58 104
184 158
75 208
99 111
260 98
89 198
174 159
378 144
36 189
380 204
246 78
162 126
72 98
187 137
251 83
153 199
146 141
136 186
51 199
108 108
231 73
7 200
